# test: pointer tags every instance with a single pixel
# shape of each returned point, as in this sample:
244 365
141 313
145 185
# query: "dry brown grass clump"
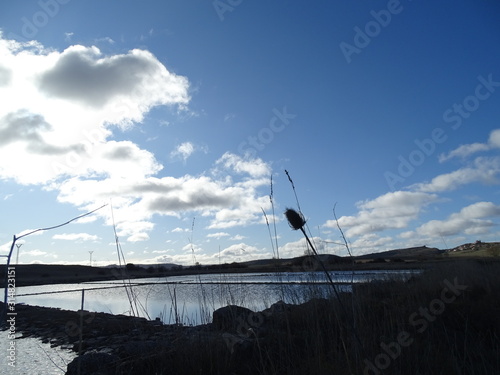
446 321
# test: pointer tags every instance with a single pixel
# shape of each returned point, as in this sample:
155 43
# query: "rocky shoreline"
119 344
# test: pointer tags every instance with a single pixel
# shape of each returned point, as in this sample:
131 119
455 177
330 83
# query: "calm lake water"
33 357
190 300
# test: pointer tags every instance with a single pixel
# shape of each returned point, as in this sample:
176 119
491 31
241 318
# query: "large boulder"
93 364
231 318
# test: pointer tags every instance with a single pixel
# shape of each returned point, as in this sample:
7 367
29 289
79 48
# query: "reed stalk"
297 221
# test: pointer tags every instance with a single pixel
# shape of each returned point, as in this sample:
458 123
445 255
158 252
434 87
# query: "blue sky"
179 112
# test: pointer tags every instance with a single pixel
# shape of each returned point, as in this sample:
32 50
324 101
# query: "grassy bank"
446 321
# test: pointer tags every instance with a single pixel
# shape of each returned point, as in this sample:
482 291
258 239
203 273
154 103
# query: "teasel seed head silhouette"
295 219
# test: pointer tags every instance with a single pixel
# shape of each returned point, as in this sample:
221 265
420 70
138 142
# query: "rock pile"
235 341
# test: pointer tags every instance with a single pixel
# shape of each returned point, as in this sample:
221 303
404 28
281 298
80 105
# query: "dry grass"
451 330
445 321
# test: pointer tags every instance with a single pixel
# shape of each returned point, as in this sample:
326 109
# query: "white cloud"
218 235
483 169
184 151
253 167
237 237
192 248
76 237
84 75
480 210
193 193
5 248
464 150
300 247
393 210
59 108
106 39
241 252
371 243
470 220
247 212
135 200
494 139
135 230
469 149
177 230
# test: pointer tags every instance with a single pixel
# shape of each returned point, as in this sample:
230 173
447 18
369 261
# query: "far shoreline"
46 274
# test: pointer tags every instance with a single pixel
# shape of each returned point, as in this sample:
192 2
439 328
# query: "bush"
131 267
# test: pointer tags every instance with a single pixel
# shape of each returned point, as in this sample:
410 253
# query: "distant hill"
476 249
410 252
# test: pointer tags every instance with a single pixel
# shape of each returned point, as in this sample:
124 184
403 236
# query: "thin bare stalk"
132 299
353 290
271 198
342 233
269 230
203 300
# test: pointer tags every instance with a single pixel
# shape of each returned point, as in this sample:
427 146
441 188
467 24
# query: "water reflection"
34 357
190 300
